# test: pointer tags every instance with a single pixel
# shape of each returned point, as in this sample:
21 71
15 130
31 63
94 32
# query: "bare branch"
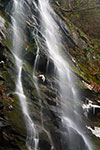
85 9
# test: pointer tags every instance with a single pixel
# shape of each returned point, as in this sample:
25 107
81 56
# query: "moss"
21 143
15 115
28 67
31 46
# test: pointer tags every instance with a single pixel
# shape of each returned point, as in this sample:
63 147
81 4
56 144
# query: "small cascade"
18 20
47 66
36 76
89 107
34 71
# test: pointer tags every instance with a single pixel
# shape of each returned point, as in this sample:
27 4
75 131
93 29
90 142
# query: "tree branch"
85 9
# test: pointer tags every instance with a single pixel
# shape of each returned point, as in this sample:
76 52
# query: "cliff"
83 57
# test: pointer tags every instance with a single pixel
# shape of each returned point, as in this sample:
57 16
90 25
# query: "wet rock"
7 139
1 79
51 102
42 143
50 94
3 123
66 136
1 106
30 57
3 120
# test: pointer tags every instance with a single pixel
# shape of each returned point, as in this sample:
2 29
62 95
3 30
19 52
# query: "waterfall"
53 48
18 22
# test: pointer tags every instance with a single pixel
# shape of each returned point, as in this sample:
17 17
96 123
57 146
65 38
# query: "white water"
18 21
52 35
50 32
95 131
89 106
35 78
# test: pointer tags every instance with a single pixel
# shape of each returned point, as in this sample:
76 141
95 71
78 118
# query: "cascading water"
18 22
35 68
53 47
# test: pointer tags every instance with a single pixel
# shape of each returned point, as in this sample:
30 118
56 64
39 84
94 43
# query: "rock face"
51 132
83 14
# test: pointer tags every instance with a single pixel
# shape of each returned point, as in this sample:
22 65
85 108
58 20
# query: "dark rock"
1 78
50 94
30 57
45 140
7 139
44 145
51 102
3 123
1 106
